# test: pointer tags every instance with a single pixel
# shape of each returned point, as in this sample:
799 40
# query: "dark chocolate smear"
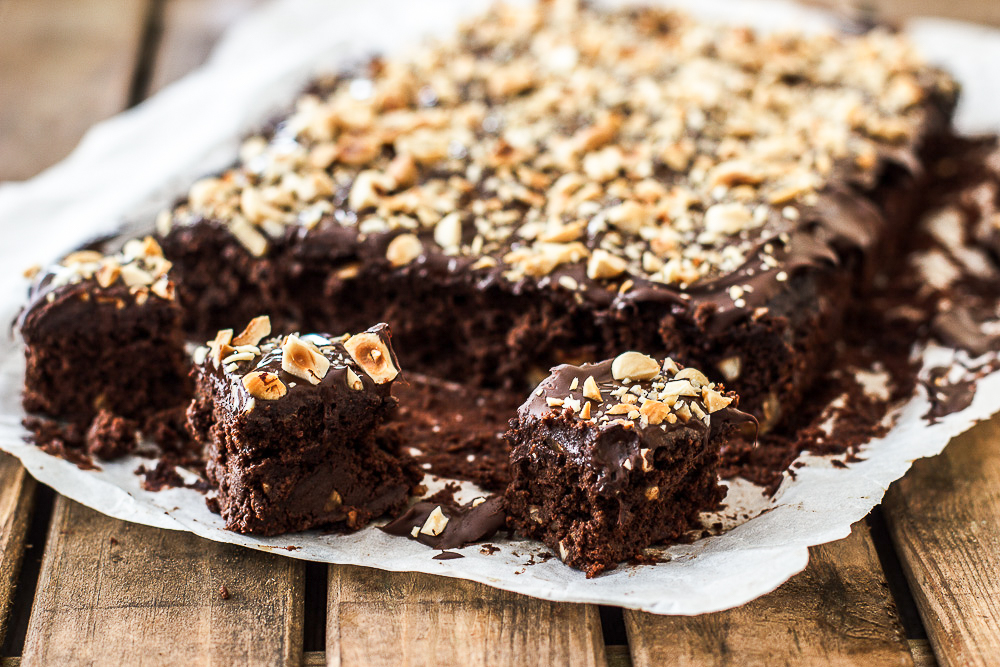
466 524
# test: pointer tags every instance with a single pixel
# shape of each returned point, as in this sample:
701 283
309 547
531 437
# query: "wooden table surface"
916 583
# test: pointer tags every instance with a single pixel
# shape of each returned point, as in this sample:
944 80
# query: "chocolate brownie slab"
610 458
552 186
288 424
103 333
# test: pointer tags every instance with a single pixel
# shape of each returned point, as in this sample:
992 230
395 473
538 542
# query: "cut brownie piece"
288 424
610 458
104 333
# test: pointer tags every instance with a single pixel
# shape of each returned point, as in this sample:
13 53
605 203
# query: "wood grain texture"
65 64
838 611
115 593
189 30
944 518
17 491
397 619
977 11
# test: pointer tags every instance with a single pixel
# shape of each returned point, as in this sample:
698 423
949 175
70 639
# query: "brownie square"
610 458
104 333
288 424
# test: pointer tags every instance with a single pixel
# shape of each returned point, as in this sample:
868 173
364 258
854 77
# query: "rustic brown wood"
399 618
65 65
17 491
838 611
944 518
115 593
977 11
190 30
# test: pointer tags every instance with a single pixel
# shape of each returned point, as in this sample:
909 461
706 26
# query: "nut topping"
265 386
404 249
435 523
634 366
255 331
591 390
373 355
303 360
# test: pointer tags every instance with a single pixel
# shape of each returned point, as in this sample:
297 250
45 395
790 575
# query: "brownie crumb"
223 592
111 436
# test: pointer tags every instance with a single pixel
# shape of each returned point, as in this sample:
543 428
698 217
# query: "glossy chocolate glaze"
616 444
467 524
228 385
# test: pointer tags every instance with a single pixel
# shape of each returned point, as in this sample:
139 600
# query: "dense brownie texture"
611 458
288 425
103 333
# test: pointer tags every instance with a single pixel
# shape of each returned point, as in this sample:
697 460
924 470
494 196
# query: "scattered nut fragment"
654 412
303 360
333 502
647 459
634 366
82 257
714 401
404 249
265 386
591 390
353 381
257 329
108 274
435 523
696 377
678 388
603 264
373 355
448 232
585 411
652 492
730 367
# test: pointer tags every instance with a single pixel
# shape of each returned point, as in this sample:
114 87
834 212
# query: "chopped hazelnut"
591 390
404 249
634 366
435 523
265 386
303 360
603 264
373 355
255 331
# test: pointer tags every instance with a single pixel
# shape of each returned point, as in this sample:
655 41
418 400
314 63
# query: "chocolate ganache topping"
282 367
635 404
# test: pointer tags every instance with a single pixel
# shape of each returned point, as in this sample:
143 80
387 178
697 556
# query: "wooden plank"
944 518
189 30
65 65
838 611
977 11
17 491
399 618
112 592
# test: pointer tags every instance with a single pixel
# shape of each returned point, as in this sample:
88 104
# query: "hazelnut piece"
265 386
257 329
373 355
634 366
303 360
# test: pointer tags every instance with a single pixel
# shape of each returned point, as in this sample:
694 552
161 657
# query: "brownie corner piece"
610 458
103 333
288 424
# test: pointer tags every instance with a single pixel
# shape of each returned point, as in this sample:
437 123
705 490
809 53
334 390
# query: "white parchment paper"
131 166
